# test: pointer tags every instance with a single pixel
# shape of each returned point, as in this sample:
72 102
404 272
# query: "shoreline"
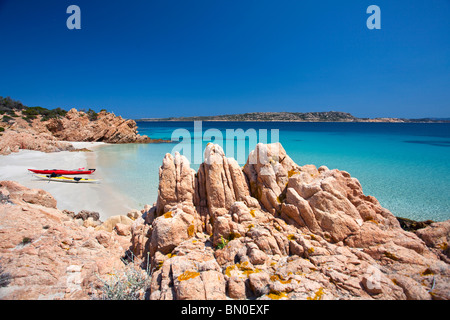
100 197
282 121
105 198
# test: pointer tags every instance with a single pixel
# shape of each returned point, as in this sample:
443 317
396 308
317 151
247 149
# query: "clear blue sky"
158 58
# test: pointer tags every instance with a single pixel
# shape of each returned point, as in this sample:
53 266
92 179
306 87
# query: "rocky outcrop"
52 135
179 186
49 254
437 237
76 126
270 230
277 230
13 141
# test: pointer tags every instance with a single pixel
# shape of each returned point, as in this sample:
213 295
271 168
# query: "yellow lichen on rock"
168 215
276 295
318 295
242 268
292 172
280 279
191 230
188 275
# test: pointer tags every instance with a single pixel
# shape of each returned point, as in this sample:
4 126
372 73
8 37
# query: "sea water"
406 166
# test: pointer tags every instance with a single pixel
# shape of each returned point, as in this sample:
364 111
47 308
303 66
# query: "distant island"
330 116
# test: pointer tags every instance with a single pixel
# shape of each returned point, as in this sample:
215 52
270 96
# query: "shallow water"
405 166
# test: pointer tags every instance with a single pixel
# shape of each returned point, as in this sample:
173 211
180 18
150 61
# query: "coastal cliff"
270 230
33 129
107 127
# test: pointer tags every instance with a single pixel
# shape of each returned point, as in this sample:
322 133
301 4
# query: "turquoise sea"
406 166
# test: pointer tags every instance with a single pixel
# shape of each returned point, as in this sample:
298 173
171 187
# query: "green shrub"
92 115
29 118
222 243
31 113
129 284
26 240
6 118
9 107
12 113
10 104
60 112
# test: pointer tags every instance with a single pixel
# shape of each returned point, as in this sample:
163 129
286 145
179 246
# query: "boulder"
176 183
111 222
190 272
21 194
170 229
437 236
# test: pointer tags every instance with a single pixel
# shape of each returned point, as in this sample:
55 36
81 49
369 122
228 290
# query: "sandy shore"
99 197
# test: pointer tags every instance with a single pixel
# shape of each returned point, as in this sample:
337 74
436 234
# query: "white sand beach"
99 197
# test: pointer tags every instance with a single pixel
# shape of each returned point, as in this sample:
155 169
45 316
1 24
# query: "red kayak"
60 172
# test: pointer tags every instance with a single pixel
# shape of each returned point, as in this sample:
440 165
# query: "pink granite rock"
276 230
47 254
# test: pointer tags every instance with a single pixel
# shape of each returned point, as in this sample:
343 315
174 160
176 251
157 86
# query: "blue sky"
159 58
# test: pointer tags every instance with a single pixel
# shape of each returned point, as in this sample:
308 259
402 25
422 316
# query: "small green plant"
131 283
26 240
2 129
222 243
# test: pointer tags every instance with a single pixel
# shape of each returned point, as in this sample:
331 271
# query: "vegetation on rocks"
130 283
41 129
330 116
11 107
